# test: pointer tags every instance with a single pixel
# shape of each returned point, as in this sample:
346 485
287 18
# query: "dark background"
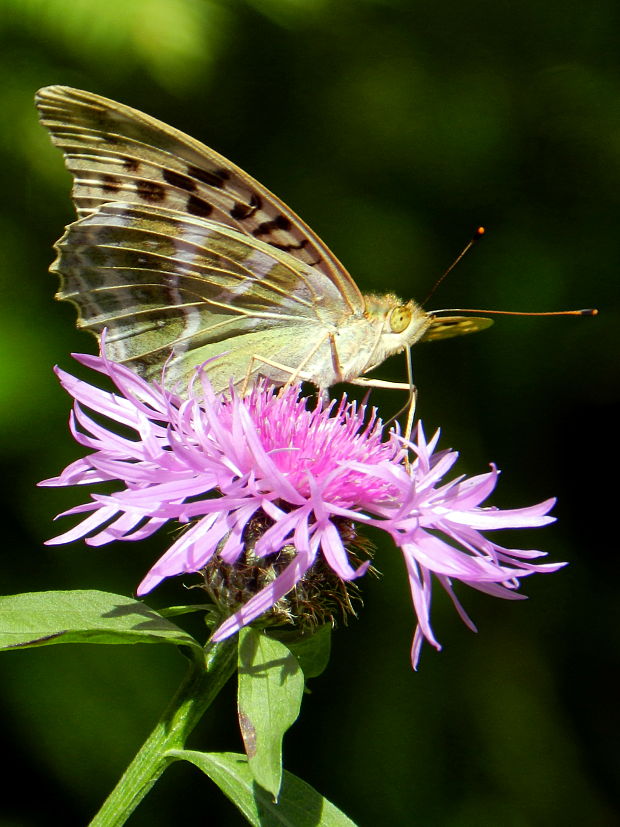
394 129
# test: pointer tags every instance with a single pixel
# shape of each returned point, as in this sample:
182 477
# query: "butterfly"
181 257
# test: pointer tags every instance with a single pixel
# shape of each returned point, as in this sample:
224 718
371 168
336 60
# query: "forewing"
164 283
119 154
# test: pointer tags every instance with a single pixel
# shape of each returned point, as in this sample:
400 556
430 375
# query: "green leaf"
299 806
312 649
192 608
83 616
271 686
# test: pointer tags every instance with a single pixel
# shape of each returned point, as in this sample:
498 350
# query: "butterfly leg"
335 359
409 386
413 395
410 406
411 412
296 374
379 383
413 398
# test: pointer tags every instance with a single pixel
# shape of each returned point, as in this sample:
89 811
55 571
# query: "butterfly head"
401 324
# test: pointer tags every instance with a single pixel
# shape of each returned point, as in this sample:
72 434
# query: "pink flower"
215 462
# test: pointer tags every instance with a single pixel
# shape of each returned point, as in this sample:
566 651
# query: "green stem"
200 687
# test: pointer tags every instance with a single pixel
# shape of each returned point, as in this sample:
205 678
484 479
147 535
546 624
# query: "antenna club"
480 231
590 311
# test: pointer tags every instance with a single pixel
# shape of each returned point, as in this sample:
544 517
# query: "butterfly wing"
116 153
164 283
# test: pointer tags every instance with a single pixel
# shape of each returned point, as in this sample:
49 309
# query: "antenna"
476 237
590 311
480 231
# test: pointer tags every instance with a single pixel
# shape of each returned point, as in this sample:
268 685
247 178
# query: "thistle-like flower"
272 475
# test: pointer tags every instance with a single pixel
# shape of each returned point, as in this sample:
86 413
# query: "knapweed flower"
305 475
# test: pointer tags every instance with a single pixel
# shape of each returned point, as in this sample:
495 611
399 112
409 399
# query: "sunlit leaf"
83 616
299 804
271 685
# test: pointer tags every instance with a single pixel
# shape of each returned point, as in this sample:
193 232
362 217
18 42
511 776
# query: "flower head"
219 462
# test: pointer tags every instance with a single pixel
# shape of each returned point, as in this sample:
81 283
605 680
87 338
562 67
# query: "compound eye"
400 318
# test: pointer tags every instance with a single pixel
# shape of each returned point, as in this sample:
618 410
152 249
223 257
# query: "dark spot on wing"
110 184
280 222
288 247
150 190
242 210
177 179
214 178
196 206
131 164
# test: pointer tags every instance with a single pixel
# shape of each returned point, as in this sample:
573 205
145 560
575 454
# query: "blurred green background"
394 128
